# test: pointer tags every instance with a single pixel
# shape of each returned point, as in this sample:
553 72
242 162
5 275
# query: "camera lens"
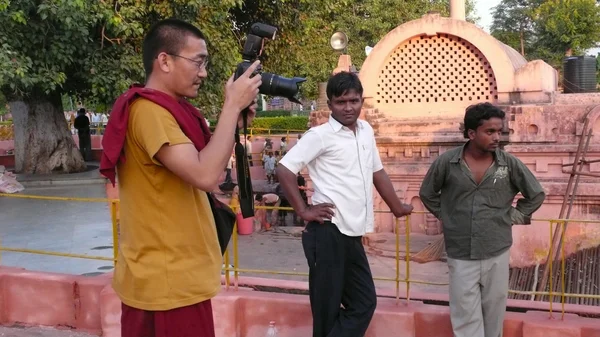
275 85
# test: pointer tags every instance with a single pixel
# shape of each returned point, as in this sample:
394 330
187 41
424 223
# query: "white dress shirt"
341 166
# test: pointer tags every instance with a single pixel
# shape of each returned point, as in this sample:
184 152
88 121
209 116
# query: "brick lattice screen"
436 69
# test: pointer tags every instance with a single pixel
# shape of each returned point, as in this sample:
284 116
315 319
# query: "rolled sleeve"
153 126
306 150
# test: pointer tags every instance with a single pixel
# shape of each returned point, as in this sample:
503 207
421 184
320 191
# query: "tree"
90 50
513 24
547 29
302 46
566 27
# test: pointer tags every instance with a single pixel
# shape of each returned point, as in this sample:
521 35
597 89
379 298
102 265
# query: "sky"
484 12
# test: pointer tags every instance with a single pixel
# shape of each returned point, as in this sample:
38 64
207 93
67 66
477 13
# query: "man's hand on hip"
319 213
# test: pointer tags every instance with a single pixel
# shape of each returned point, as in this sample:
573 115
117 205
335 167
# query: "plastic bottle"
272 332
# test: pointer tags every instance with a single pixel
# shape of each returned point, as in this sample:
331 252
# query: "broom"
431 253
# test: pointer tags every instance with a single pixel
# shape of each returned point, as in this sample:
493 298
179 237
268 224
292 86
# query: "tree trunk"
43 143
522 43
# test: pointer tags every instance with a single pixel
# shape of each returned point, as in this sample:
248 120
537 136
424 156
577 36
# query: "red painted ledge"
89 304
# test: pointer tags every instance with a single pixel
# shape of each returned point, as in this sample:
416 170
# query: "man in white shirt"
343 163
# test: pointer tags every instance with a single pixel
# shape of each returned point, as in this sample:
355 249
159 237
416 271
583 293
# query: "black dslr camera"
272 85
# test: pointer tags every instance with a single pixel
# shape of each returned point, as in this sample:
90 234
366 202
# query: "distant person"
82 125
303 188
269 162
268 145
248 146
96 120
283 202
471 189
283 146
228 168
343 164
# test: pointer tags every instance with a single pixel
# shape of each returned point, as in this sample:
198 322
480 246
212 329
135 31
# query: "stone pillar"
322 99
344 64
457 9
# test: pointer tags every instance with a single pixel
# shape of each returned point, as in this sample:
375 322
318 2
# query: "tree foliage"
302 46
567 26
547 29
513 24
91 49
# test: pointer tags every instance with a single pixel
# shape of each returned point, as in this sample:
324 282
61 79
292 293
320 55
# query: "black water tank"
579 74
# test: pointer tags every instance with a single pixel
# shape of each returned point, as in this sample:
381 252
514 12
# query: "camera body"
272 84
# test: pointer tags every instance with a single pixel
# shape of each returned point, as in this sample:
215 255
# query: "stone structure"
419 79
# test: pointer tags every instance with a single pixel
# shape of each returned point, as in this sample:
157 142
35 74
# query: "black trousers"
85 145
339 274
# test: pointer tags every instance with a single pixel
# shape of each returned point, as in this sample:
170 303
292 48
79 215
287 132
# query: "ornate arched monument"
419 79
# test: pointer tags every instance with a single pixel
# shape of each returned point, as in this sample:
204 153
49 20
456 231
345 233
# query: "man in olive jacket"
471 189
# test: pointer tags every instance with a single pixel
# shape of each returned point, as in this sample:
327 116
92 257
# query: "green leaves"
305 26
548 29
569 25
91 50
19 17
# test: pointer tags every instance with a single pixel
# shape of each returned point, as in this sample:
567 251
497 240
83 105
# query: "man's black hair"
476 114
340 83
166 36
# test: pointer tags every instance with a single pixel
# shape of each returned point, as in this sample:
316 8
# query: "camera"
272 84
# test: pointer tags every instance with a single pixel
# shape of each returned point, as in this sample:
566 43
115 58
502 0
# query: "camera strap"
246 194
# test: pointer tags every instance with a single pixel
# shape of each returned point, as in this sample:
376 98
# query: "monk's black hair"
166 36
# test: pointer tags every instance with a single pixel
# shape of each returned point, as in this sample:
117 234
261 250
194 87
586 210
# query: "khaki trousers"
478 293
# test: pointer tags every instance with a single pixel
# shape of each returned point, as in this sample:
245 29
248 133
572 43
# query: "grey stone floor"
39 332
85 228
59 226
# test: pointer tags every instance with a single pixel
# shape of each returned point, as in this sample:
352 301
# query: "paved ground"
59 226
38 332
85 228
283 252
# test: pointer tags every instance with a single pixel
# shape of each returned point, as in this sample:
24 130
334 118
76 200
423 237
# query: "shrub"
280 124
295 124
6 132
274 113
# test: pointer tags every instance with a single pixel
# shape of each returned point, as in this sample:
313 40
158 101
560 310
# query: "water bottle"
272 332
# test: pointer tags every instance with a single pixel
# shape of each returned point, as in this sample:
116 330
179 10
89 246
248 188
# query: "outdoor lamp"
339 41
